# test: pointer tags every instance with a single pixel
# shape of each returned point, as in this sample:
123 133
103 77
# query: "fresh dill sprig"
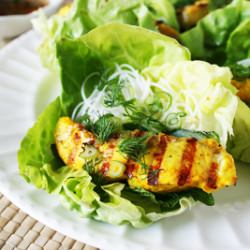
106 126
142 118
153 173
134 147
113 94
90 167
86 121
145 116
144 166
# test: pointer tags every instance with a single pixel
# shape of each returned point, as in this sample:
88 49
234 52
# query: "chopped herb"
196 134
86 121
106 126
113 94
145 116
152 176
90 167
144 166
173 120
142 118
134 147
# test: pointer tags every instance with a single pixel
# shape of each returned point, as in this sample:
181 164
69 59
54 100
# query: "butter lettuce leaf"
85 15
238 45
238 50
79 58
239 144
36 156
215 4
212 32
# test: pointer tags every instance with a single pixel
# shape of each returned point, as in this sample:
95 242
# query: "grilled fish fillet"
170 164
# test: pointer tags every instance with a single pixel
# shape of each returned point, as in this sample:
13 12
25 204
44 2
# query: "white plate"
25 88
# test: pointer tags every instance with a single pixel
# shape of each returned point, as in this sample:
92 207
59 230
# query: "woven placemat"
20 231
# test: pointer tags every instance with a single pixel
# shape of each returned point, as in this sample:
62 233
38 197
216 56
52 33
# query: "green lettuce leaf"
80 57
238 50
36 157
213 31
239 145
88 14
215 4
181 3
241 69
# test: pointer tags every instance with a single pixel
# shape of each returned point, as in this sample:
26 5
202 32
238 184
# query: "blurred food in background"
19 7
16 15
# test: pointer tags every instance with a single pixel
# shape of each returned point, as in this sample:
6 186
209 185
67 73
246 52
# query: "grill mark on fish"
130 167
154 171
67 136
77 139
72 156
212 176
187 161
105 168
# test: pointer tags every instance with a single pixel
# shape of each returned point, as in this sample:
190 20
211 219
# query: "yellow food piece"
243 89
207 153
65 9
191 14
71 139
170 164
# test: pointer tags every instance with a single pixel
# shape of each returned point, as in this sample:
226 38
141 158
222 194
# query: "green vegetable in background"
215 4
241 69
181 3
239 145
211 33
221 37
238 48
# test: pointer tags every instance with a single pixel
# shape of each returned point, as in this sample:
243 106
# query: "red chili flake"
105 168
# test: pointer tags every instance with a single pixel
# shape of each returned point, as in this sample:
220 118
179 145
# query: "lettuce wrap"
220 37
153 55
